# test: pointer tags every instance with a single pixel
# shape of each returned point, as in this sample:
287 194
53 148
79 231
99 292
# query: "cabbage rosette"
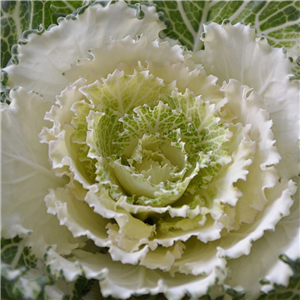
149 167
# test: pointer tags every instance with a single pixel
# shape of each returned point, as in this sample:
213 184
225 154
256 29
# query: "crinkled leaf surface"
278 20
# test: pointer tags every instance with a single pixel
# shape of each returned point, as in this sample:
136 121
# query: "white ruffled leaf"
263 259
27 176
233 52
279 202
78 217
53 52
132 279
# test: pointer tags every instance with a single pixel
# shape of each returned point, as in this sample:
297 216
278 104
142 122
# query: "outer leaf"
70 41
136 279
65 7
16 16
23 278
26 176
16 262
278 20
296 69
292 291
265 69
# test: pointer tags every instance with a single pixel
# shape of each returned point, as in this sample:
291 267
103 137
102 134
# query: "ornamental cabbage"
149 167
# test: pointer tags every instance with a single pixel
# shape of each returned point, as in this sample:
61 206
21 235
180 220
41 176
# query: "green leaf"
19 16
65 7
17 269
292 291
279 292
23 277
296 69
277 20
16 16
81 287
